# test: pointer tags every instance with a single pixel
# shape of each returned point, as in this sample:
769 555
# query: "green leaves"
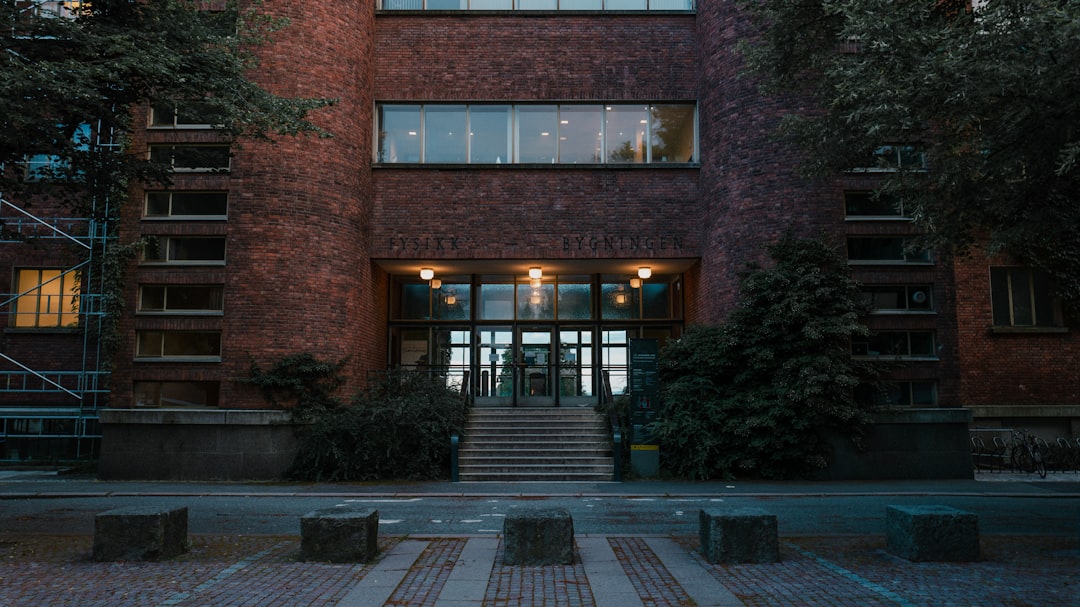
757 394
992 95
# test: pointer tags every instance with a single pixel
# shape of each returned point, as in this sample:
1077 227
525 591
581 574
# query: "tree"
991 95
73 72
761 393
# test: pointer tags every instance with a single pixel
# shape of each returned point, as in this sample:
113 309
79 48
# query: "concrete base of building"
178 444
907 444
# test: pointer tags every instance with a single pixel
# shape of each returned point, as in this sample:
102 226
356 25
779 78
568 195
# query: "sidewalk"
263 571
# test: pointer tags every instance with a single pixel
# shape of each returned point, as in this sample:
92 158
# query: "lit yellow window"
47 298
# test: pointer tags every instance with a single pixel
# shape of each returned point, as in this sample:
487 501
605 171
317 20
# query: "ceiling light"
644 272
536 272
427 273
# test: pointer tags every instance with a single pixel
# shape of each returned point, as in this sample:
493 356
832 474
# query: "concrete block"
931 533
538 537
339 535
140 534
739 535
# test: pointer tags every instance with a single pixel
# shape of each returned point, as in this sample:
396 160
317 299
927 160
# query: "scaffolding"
49 409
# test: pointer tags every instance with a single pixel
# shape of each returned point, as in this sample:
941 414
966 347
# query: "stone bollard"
931 533
538 537
140 534
739 535
339 535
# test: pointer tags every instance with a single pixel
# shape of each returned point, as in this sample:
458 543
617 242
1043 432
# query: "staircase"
535 444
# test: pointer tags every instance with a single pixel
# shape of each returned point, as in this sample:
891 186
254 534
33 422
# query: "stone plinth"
538 537
140 534
931 533
739 535
339 535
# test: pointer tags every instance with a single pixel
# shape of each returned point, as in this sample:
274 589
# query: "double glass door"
533 366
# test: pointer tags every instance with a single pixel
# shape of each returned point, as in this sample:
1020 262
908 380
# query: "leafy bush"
300 381
399 428
759 394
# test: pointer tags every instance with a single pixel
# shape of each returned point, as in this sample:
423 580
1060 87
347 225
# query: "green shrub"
759 394
399 428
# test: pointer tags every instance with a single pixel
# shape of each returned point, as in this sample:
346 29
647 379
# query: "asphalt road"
48 504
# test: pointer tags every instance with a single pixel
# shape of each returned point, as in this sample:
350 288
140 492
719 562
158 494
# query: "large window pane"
399 133
444 133
655 300
575 301
447 5
625 127
537 131
537 5
581 5
624 5
452 300
489 133
579 134
672 133
536 303
496 301
491 5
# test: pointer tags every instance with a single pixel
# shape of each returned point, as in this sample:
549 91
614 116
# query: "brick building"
574 174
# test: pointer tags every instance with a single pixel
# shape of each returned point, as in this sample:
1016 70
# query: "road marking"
858 579
222 575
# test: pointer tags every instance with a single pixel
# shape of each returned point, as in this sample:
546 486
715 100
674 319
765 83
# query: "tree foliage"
100 60
760 393
992 95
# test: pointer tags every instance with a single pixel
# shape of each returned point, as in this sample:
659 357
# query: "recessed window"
884 250
537 134
895 344
194 114
896 157
885 299
185 250
177 393
181 299
57 167
537 5
192 158
898 393
1023 297
46 298
203 205
178 344
868 204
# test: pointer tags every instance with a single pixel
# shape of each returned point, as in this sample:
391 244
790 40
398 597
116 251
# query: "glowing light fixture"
536 272
535 283
436 283
635 283
644 272
427 273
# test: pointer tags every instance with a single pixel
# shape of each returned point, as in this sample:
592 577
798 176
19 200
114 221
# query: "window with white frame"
177 393
191 250
895 344
192 158
46 298
537 5
536 133
181 299
202 345
1023 297
899 299
875 250
186 205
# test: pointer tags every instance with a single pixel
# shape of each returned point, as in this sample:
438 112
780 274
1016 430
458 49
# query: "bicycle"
1027 454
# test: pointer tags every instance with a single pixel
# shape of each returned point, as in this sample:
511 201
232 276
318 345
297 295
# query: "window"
1023 297
537 5
178 344
895 157
46 298
883 250
886 299
898 394
897 344
68 9
191 115
177 393
192 158
180 299
861 204
201 205
537 134
55 167
185 250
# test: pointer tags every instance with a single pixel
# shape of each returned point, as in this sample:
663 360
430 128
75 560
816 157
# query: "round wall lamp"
427 273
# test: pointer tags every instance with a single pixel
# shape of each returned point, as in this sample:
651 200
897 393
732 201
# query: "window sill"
1028 330
188 218
201 313
43 330
879 357
903 313
856 218
179 359
888 262
525 13
535 165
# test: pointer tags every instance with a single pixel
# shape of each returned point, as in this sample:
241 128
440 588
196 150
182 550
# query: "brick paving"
263 571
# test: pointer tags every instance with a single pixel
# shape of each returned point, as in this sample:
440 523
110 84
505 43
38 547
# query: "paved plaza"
56 569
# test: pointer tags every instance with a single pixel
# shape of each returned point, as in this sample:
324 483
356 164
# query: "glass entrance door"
538 371
495 362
